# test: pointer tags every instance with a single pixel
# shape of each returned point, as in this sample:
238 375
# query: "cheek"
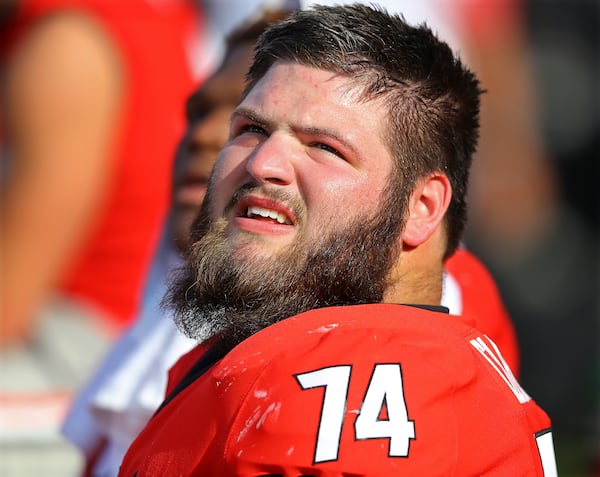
338 201
231 161
349 194
219 185
228 174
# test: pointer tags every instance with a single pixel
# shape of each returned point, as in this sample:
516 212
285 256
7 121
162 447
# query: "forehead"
293 79
302 97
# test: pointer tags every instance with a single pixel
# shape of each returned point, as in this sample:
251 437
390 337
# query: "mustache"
207 216
276 195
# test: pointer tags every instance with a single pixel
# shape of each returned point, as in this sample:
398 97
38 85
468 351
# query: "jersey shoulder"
377 389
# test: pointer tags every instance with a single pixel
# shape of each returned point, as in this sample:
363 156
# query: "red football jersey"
366 390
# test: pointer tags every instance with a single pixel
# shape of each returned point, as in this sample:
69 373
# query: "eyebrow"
253 116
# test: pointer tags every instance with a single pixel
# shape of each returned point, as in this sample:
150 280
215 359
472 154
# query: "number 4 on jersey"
385 391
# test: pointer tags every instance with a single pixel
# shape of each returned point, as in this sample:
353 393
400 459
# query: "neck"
416 278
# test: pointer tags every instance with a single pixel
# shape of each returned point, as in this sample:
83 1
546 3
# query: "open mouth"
253 212
265 210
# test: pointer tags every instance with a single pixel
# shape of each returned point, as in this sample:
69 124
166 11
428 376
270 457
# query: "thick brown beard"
219 294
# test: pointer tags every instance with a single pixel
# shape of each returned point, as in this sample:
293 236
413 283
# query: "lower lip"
262 227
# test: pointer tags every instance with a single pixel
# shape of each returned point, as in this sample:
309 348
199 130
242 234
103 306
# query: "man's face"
298 213
305 156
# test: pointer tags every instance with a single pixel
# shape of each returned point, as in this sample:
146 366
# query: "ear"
426 208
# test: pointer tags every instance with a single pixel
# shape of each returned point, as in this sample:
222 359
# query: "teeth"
266 213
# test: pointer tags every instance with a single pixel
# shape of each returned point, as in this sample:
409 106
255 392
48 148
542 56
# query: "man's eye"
329 149
252 129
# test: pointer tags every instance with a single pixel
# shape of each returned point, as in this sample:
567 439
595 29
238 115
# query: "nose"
271 161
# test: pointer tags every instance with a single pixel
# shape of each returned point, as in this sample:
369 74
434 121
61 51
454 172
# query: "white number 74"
385 389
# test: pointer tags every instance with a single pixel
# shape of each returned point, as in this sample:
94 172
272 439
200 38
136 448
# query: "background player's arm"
64 90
